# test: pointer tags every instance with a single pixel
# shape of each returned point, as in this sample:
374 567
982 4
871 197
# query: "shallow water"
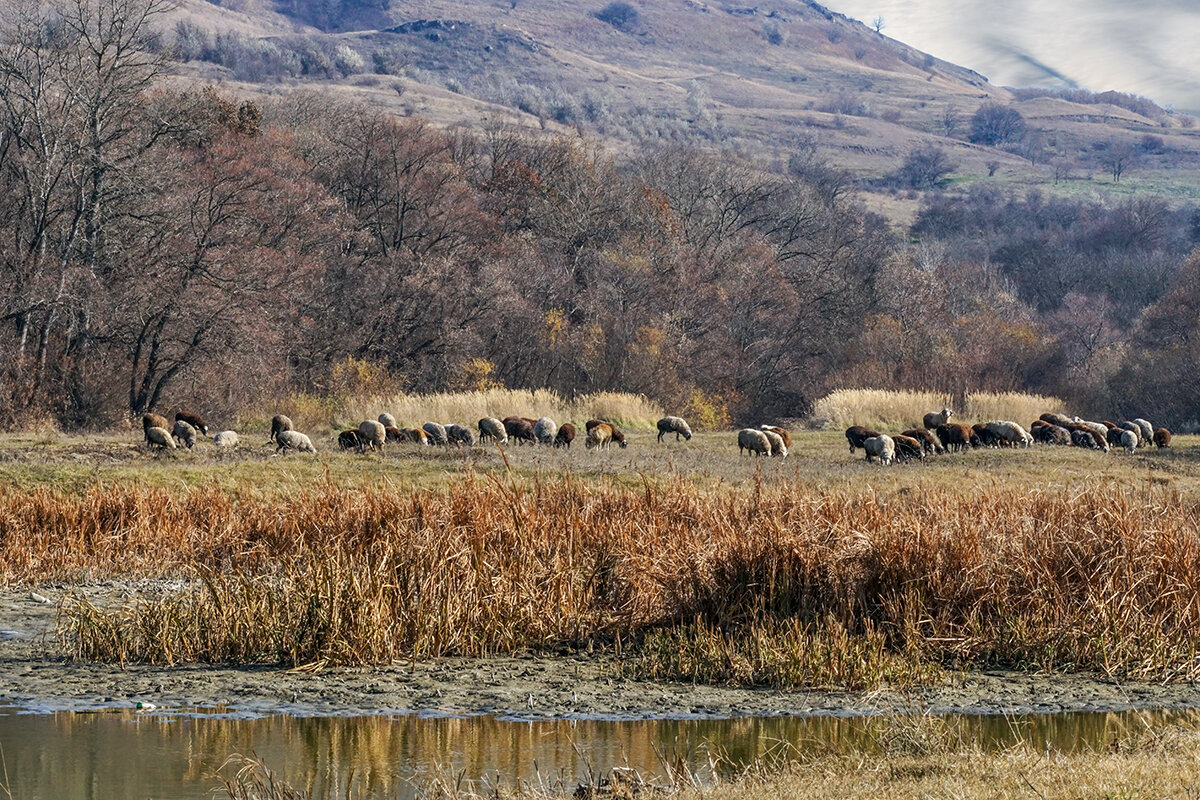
128 754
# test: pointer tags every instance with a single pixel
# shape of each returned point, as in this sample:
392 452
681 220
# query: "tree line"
167 247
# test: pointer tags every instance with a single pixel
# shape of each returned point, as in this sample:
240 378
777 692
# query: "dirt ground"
34 676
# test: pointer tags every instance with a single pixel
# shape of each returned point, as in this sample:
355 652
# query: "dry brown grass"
1105 580
883 408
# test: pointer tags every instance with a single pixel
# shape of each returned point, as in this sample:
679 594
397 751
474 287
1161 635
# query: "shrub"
621 16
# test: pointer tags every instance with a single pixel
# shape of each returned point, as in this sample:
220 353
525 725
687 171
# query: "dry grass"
880 408
466 408
889 588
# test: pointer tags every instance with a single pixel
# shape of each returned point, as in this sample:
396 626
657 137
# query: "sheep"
1051 434
460 434
1129 441
675 425
227 439
928 441
194 420
373 434
857 434
1115 434
492 428
293 440
1147 429
934 418
417 435
394 434
279 424
387 420
153 421
616 435
565 435
778 448
351 440
437 433
160 438
544 430
908 448
783 433
955 436
753 441
1010 433
1132 426
882 447
1095 427
1082 437
184 434
598 436
984 437
519 429
1162 438
1060 420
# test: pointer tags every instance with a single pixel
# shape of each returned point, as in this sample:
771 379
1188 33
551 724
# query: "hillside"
765 80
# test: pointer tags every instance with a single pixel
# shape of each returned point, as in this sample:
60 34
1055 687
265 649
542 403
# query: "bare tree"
877 24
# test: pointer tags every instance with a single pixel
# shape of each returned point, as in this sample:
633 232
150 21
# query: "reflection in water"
74 756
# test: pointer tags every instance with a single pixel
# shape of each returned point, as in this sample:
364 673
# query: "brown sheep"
394 434
985 437
908 448
598 435
1162 438
153 421
935 418
1057 419
782 433
565 435
1050 434
520 429
955 436
1098 442
616 434
928 441
417 435
279 424
194 420
857 434
351 440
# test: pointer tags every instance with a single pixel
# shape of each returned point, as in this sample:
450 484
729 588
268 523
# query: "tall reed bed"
900 409
741 586
628 410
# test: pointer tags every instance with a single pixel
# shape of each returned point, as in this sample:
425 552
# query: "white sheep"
387 420
544 430
881 447
460 434
1133 426
1129 441
935 418
184 434
373 434
293 440
436 432
778 448
675 425
1147 430
753 441
492 428
228 439
160 438
1010 432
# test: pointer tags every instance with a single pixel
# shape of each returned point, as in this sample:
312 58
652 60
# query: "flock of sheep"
939 435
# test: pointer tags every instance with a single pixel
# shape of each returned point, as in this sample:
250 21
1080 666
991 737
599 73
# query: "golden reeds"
903 409
778 583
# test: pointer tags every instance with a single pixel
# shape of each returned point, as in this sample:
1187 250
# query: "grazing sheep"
279 424
565 435
753 441
544 430
1009 433
1082 437
519 429
935 418
387 420
1162 438
1129 441
778 447
352 440
675 425
417 435
1132 426
160 438
493 429
227 439
437 433
194 420
783 433
184 434
882 447
908 448
857 434
1147 429
394 434
928 441
293 440
153 421
373 434
955 436
598 436
984 437
1096 427
616 434
460 434
1060 420
1114 436
1051 434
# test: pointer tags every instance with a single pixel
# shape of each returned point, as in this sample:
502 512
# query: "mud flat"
580 685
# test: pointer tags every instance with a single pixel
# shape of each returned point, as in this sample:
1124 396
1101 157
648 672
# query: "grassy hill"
766 81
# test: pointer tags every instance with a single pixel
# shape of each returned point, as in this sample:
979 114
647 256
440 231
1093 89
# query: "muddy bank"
33 676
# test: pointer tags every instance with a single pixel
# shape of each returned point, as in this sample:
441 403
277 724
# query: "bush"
995 124
621 16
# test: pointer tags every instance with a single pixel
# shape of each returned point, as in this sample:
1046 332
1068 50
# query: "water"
126 754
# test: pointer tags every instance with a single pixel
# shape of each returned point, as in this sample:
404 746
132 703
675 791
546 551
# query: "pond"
131 754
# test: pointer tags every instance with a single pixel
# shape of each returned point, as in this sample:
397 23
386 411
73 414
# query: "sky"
1145 47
